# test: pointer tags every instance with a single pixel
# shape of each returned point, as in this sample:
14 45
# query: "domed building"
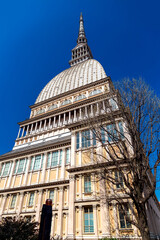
53 155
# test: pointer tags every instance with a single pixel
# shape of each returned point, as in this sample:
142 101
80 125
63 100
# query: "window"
112 133
40 111
120 125
80 97
51 195
113 104
60 158
5 169
123 216
87 184
103 132
31 199
77 140
94 139
118 179
86 139
36 162
54 159
88 220
67 155
53 107
66 102
13 202
97 91
19 166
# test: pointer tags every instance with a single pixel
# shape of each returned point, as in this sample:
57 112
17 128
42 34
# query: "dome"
76 76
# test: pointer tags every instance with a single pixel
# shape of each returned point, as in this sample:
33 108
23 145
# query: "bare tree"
128 131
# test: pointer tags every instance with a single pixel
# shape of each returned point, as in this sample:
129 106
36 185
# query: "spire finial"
81 27
82 51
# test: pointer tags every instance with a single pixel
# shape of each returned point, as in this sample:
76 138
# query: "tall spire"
81 27
82 51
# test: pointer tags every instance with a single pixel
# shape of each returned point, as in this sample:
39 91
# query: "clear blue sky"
37 37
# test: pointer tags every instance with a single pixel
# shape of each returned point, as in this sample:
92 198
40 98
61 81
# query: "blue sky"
37 37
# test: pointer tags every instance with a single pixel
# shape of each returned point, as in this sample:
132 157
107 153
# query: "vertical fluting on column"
115 218
95 220
71 226
21 195
39 205
60 216
105 218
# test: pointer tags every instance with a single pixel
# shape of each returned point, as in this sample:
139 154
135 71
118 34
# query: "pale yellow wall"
17 181
77 222
86 157
2 182
99 221
52 175
34 178
64 225
28 179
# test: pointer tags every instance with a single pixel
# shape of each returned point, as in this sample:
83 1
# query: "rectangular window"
49 160
88 220
124 215
51 195
60 157
112 133
103 132
121 132
13 202
67 155
77 140
37 162
118 179
2 168
32 161
87 184
86 139
31 199
54 159
6 169
21 166
94 138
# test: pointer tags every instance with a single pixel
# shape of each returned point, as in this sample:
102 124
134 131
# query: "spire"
82 51
81 27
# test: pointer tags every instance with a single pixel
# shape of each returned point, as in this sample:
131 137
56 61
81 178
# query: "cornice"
35 186
30 150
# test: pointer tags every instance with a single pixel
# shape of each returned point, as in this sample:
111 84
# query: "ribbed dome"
79 75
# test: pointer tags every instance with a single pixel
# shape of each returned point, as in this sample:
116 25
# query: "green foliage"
109 239
20 229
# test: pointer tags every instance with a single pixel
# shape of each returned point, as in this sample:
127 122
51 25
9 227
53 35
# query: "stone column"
86 112
97 112
93 184
52 225
36 127
95 220
115 219
27 170
73 148
60 215
44 167
45 121
105 218
3 205
27 130
75 118
55 197
71 226
81 220
21 195
59 121
54 122
31 128
80 113
80 186
23 131
19 132
39 205
40 126
12 166
49 124
91 110
69 120
64 119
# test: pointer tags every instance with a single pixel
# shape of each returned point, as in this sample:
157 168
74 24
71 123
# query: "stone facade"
50 159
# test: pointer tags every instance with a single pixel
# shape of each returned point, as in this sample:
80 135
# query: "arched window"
94 92
53 107
80 97
65 102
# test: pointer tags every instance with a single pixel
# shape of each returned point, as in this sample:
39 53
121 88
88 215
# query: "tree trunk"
143 226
